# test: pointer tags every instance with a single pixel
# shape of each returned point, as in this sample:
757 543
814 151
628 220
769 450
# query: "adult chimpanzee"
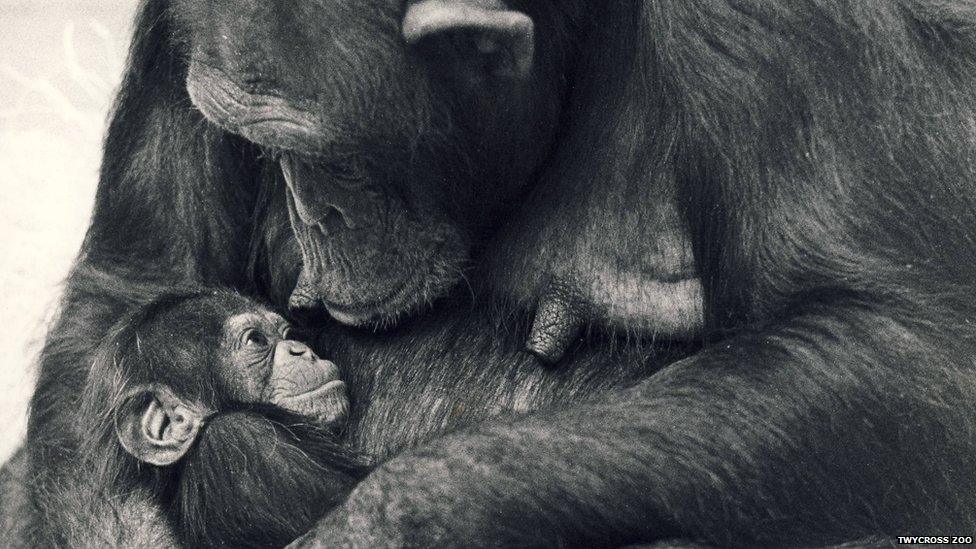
239 420
818 155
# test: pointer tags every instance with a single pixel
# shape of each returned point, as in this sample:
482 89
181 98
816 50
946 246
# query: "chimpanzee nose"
297 348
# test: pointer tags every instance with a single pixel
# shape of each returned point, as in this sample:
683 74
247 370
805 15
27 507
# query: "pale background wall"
60 62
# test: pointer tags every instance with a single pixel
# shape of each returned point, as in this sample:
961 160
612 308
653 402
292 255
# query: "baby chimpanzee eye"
254 338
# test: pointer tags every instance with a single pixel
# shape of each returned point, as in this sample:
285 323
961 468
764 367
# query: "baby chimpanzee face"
261 363
187 357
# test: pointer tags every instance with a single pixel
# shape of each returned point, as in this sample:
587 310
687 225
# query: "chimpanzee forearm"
144 237
79 512
743 440
260 478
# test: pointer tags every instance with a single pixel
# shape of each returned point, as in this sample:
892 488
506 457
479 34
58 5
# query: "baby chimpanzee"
204 400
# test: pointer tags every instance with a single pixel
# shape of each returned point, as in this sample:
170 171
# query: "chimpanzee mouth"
352 317
318 378
416 293
335 385
401 301
327 405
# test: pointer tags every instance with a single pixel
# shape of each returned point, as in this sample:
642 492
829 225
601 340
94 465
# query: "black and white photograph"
487 273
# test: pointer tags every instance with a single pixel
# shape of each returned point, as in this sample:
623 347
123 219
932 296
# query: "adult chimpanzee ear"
503 40
156 426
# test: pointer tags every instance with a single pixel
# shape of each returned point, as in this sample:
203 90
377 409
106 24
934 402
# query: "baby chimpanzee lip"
320 379
330 386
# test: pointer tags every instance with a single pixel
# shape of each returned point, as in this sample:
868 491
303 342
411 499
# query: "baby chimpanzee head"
239 419
185 357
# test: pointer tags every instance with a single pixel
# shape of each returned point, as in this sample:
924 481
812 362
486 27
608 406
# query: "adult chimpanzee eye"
254 338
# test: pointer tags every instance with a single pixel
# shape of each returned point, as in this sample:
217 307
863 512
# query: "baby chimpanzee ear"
486 34
156 426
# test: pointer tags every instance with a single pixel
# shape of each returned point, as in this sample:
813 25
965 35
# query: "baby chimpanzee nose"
297 348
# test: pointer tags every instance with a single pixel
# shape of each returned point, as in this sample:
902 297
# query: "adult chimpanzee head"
176 362
400 127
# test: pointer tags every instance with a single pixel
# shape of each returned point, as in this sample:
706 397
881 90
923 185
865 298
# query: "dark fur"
823 159
259 478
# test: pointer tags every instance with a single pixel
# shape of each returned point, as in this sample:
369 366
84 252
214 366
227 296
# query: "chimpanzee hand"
419 499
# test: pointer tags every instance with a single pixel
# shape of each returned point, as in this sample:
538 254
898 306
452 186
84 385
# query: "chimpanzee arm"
259 478
833 222
103 520
792 435
171 207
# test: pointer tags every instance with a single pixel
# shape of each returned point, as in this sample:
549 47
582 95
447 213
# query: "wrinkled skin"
787 153
164 370
385 202
749 283
204 405
381 233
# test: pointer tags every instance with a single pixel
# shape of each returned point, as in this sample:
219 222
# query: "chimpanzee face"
198 356
399 128
261 363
